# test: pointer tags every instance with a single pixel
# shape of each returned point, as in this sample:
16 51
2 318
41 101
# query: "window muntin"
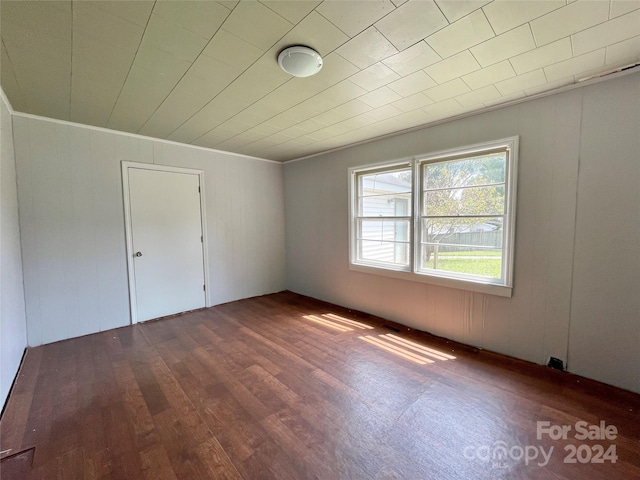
446 218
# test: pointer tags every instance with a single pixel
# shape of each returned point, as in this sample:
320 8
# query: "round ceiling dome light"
300 61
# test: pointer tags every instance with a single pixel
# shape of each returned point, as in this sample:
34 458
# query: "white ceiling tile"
620 7
257 81
417 100
39 68
245 18
35 43
132 110
294 11
412 59
44 82
250 117
440 108
201 18
230 4
521 82
489 75
10 83
367 48
94 22
223 42
136 11
209 74
414 83
461 35
281 122
299 111
411 22
359 121
504 15
375 76
173 39
310 125
606 33
42 17
567 20
354 16
340 93
162 63
352 108
95 59
216 136
265 129
581 65
478 97
542 56
380 97
623 53
502 47
314 31
310 108
453 67
386 111
412 118
48 94
334 69
456 9
446 90
208 117
88 107
235 96
204 80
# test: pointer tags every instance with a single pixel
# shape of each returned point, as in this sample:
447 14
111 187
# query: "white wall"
605 307
575 295
13 327
72 223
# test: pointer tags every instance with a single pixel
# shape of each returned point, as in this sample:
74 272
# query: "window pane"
479 231
468 260
385 205
384 241
453 202
389 182
471 246
481 170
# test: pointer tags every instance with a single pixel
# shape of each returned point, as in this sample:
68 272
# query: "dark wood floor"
283 386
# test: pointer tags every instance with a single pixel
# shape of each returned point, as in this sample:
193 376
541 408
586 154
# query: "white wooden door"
166 246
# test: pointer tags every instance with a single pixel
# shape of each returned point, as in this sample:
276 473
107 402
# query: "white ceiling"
206 72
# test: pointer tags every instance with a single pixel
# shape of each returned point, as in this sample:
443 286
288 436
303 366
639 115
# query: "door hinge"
204 287
201 239
199 191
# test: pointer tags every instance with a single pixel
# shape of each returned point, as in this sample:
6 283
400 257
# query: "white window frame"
501 287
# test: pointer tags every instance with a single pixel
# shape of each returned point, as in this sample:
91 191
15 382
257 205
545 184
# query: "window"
446 218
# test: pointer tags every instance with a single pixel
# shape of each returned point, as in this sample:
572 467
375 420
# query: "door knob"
138 254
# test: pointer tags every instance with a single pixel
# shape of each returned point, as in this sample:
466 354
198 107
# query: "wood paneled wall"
576 282
72 223
13 328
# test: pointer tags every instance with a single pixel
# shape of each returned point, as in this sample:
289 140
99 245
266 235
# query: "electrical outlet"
556 363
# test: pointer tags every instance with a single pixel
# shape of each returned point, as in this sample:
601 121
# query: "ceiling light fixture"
300 61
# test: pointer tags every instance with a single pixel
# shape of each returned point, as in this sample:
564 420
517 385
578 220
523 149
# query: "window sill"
468 285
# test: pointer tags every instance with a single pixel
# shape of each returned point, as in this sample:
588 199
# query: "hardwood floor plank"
283 387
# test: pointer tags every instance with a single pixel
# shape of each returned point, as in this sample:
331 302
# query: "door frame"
125 165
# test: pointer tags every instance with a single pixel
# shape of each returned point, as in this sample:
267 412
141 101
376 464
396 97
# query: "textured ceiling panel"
206 73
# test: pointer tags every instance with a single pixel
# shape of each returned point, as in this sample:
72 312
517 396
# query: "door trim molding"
125 166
